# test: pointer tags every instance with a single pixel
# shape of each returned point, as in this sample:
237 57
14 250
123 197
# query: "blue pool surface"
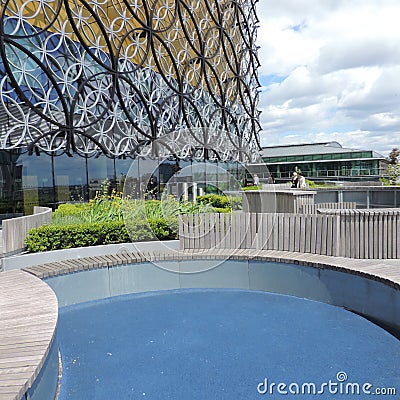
221 344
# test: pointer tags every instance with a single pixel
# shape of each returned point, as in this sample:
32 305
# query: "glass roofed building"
324 161
86 87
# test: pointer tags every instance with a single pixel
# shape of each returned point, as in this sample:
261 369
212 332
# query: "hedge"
221 201
56 237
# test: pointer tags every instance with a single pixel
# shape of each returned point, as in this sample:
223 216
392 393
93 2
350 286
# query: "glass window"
122 166
34 180
70 177
11 195
101 174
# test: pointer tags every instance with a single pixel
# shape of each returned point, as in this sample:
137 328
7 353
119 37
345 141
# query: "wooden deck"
28 320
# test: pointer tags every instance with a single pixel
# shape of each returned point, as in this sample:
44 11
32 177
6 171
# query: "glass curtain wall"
51 179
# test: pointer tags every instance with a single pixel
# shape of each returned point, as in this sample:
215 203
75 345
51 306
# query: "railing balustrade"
372 234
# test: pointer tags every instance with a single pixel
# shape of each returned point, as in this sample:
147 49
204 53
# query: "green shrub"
68 209
101 221
222 210
236 202
55 237
215 200
69 213
152 229
259 187
311 184
221 201
112 208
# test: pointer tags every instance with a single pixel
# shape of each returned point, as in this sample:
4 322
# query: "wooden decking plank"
27 335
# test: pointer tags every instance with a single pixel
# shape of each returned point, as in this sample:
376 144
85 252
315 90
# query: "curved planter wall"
16 229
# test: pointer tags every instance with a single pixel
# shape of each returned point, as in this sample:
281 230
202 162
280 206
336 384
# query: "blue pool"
221 344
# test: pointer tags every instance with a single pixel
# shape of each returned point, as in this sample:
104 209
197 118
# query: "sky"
330 70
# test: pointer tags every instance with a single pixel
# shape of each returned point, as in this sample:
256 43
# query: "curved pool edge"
375 278
362 286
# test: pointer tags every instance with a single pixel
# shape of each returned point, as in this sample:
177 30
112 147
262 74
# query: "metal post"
194 191
185 193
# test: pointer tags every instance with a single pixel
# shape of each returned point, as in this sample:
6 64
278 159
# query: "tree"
393 173
394 156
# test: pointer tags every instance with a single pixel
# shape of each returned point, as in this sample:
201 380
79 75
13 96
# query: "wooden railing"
370 234
315 208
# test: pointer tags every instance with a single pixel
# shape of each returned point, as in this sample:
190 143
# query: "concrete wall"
280 201
16 229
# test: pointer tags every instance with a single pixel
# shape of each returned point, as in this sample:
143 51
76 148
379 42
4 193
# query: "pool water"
219 344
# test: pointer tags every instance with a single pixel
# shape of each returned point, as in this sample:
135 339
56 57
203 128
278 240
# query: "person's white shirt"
302 182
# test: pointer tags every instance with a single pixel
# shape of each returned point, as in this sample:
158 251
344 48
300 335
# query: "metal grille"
114 76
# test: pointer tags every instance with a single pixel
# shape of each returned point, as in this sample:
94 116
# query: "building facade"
85 87
324 161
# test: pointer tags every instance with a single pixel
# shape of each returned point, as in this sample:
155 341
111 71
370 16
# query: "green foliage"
111 208
311 184
69 209
315 185
394 156
236 202
214 200
69 213
55 237
220 201
384 181
222 210
393 173
259 187
103 208
111 219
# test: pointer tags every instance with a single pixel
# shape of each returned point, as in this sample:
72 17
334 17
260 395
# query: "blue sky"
330 70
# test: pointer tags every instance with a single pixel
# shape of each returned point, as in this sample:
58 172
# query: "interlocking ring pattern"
114 76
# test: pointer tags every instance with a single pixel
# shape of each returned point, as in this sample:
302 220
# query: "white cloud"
340 64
